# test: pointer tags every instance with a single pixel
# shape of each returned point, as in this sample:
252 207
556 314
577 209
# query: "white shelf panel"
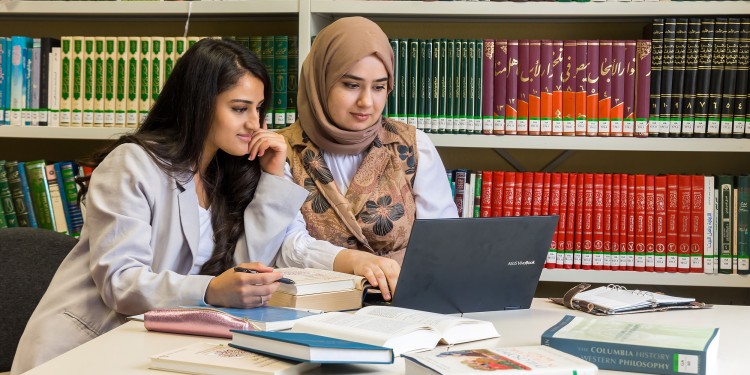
647 278
416 9
146 8
43 132
591 143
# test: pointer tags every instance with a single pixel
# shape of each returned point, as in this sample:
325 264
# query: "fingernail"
387 296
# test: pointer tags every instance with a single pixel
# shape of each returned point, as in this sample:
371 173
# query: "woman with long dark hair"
171 208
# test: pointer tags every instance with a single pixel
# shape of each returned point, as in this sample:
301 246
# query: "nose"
254 121
364 99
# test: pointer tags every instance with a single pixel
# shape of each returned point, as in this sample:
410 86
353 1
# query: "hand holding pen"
282 280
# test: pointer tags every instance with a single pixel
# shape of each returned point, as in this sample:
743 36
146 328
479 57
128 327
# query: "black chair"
29 258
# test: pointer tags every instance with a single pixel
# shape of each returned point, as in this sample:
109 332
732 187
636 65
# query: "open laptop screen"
471 265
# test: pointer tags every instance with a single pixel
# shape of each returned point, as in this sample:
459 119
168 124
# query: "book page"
368 329
302 276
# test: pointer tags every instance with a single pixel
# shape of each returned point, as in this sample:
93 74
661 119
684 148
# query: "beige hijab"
335 49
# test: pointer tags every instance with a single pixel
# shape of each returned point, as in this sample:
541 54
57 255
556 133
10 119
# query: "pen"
247 270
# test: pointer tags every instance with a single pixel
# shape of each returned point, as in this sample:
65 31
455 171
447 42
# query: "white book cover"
708 224
144 92
36 61
58 211
110 80
53 92
133 81
531 360
88 88
121 81
99 83
207 359
66 80
76 85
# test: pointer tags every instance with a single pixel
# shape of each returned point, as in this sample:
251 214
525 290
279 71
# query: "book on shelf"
217 321
319 290
401 329
207 358
305 347
638 347
616 299
531 360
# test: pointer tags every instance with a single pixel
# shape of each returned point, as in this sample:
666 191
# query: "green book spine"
743 224
121 85
88 81
478 49
99 81
256 43
180 46
157 66
450 72
36 175
11 220
443 88
403 80
392 104
280 80
459 87
477 192
76 112
428 89
413 99
133 69
145 79
16 192
267 56
291 91
435 106
110 80
471 90
422 84
169 56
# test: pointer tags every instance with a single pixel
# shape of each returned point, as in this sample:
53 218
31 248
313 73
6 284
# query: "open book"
401 329
615 299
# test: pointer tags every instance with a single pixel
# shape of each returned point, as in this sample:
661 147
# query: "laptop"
471 265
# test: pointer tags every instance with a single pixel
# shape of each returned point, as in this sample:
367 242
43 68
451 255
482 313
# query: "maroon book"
523 87
628 120
499 89
569 87
592 93
557 87
535 90
617 110
582 70
488 65
547 57
605 87
511 89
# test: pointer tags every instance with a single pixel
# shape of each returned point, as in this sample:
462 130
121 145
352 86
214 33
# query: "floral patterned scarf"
378 210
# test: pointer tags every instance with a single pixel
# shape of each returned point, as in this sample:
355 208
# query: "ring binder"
615 299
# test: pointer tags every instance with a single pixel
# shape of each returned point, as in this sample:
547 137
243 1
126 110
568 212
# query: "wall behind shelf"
51 150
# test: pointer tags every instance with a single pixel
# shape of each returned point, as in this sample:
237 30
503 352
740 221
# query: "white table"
126 350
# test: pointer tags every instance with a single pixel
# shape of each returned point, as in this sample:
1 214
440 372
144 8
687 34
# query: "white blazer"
136 249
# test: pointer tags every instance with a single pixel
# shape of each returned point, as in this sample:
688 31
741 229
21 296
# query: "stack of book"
319 290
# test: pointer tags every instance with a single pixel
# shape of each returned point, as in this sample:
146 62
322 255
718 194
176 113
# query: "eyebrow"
384 79
243 101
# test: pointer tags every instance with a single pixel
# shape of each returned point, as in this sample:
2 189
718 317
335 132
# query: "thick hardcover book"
696 223
703 82
121 85
639 248
678 77
427 82
524 66
562 222
647 348
406 330
268 57
619 75
40 194
498 186
597 223
6 198
422 83
582 70
66 179
638 86
570 230
44 78
725 220
132 79
443 87
709 224
4 77
690 82
509 360
57 200
743 225
27 194
450 90
684 189
280 80
729 84
498 79
392 104
144 92
100 80
605 68
511 89
488 87
485 205
657 48
478 83
650 222
305 347
569 68
17 196
615 223
291 86
412 99
313 281
206 358
110 75
547 58
667 75
660 225
741 90
718 61
534 91
437 66
592 82
672 221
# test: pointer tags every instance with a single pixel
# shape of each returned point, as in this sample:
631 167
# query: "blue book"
637 347
264 318
4 79
305 347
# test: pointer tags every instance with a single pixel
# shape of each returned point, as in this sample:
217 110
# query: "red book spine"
630 250
672 223
628 120
527 194
537 188
557 87
660 228
498 179
607 222
616 113
569 87
624 181
640 223
580 215
572 217
522 123
588 221
499 89
545 80
485 207
582 70
696 227
605 86
518 198
488 67
553 192
615 232
683 221
598 222
509 190
650 200
535 87
562 222
546 186
511 89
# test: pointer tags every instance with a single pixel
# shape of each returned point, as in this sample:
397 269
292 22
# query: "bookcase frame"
426 20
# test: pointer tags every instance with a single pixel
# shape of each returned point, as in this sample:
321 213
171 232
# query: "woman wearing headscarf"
368 177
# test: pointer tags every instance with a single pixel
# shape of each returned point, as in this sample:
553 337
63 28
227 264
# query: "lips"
244 137
361 116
